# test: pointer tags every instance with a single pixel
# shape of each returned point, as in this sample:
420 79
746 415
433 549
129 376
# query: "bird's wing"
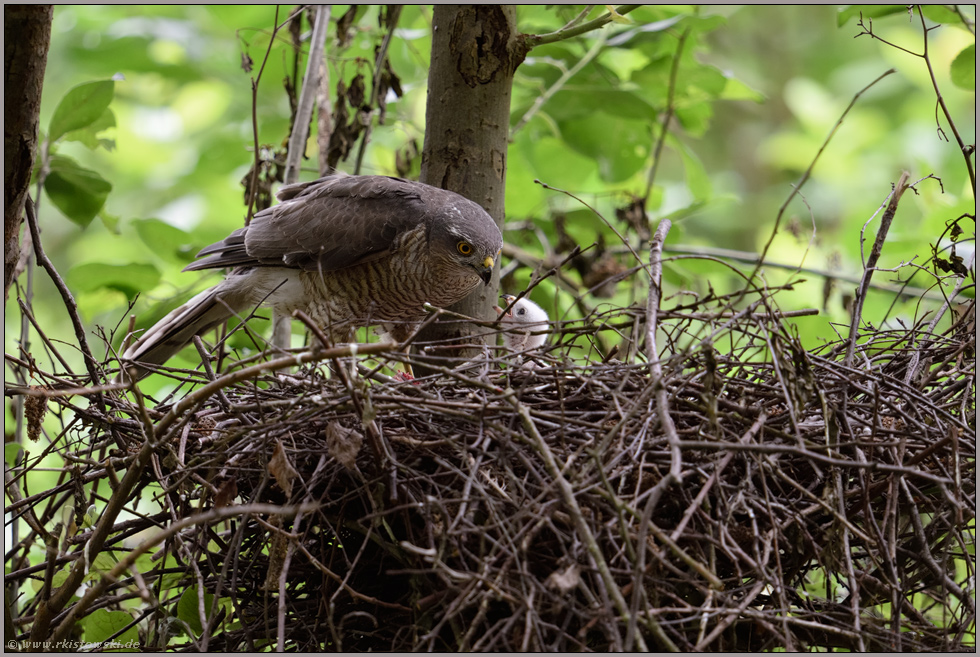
326 224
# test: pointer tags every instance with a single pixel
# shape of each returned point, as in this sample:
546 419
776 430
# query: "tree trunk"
475 51
26 35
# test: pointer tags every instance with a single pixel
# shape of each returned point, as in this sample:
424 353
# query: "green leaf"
847 12
102 624
129 279
78 192
554 163
110 221
696 117
653 80
81 107
626 36
618 147
89 134
103 563
940 14
685 212
582 225
698 180
187 608
59 578
10 453
704 78
963 70
165 240
735 89
625 104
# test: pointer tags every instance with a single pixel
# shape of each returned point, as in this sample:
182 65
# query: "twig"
869 268
42 259
559 83
532 41
307 95
257 158
913 369
653 354
98 586
965 150
201 394
394 12
622 238
809 170
752 258
324 113
668 115
568 496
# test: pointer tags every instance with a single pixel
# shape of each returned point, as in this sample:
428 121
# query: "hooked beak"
487 273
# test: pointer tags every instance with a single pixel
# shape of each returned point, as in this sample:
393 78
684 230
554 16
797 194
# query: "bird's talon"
405 376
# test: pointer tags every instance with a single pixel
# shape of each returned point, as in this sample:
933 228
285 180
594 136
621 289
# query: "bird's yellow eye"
464 248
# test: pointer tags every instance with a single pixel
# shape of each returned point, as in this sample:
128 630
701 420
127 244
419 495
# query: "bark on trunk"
475 51
26 34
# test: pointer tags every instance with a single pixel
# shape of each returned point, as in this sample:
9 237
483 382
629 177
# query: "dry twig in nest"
529 507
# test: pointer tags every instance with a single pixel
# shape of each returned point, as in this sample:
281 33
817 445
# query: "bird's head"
481 257
470 239
526 322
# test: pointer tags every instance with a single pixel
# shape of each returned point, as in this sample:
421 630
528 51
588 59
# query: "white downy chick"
526 322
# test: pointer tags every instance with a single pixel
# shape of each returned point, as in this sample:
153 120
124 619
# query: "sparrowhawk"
349 251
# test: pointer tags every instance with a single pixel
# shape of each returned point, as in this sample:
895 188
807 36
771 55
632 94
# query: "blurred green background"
758 90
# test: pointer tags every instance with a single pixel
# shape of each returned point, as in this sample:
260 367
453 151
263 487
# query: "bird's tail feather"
168 336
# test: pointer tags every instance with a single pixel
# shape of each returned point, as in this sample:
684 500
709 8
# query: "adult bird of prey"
349 251
526 322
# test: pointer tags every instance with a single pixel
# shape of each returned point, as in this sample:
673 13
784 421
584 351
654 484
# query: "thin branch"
532 41
395 12
129 561
559 83
964 151
608 223
76 321
653 355
970 26
869 268
257 157
668 114
190 401
809 170
324 117
571 504
307 95
578 19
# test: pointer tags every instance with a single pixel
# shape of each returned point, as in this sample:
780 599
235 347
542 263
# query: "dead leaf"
282 469
35 408
343 444
226 493
565 580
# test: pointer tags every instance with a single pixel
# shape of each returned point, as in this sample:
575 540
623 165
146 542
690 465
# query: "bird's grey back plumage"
340 221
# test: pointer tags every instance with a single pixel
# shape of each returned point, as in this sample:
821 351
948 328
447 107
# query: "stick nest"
528 503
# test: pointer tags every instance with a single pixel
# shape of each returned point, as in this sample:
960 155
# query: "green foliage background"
148 112
758 90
